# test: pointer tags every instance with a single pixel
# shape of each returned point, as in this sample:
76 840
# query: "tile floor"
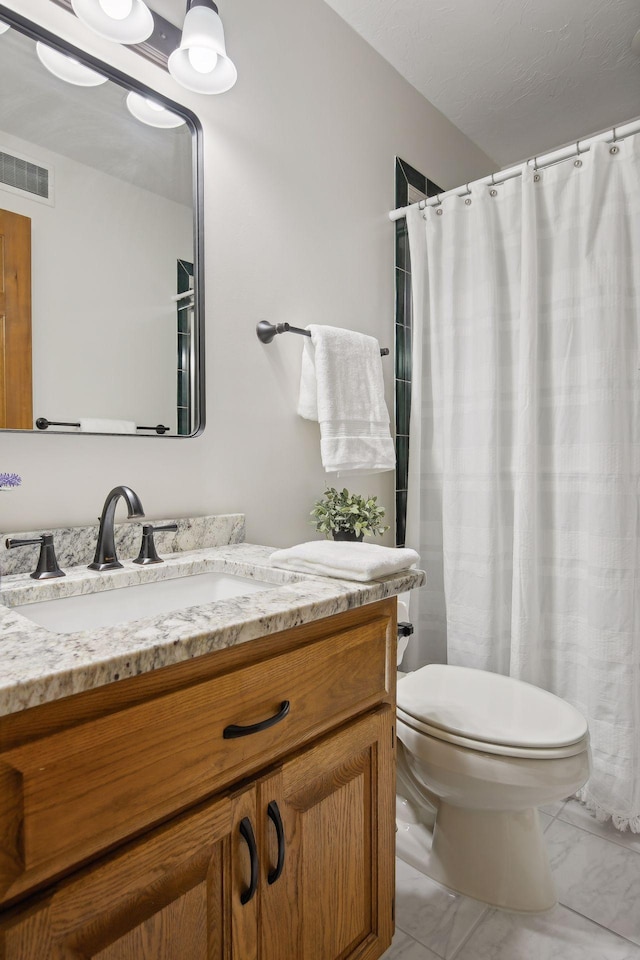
597 871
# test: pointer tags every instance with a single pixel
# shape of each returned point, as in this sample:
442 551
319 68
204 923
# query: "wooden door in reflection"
16 403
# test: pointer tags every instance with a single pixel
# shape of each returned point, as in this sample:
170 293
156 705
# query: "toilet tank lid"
489 707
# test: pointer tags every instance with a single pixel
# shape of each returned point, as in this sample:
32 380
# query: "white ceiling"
519 77
89 124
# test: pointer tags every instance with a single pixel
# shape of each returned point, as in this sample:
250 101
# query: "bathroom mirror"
101 296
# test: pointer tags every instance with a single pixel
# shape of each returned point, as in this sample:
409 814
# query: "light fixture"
201 63
151 112
66 68
126 21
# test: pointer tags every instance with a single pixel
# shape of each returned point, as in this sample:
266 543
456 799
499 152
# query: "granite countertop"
38 666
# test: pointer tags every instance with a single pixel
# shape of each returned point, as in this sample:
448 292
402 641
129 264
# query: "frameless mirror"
100 247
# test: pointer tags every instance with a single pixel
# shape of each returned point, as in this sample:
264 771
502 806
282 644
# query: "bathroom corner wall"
299 176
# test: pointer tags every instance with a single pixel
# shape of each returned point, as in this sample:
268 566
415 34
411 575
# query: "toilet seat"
490 713
498 749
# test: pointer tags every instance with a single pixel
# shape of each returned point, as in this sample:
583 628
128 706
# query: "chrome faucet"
106 558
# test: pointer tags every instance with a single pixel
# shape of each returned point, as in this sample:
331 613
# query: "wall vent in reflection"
21 175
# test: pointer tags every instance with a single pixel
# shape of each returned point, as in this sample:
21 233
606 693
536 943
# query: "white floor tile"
436 917
557 935
405 947
598 879
576 813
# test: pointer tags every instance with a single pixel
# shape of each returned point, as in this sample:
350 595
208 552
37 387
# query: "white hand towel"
345 560
98 425
341 386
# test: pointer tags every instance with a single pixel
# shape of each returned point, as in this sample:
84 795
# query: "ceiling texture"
518 77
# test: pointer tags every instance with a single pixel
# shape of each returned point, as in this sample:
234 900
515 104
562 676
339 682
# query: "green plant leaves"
344 511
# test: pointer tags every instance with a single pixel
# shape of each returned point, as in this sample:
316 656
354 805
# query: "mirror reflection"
98 329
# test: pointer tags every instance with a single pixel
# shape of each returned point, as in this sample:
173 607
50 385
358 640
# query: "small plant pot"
349 535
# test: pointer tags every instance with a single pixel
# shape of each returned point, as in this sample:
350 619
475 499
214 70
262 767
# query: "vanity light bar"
158 47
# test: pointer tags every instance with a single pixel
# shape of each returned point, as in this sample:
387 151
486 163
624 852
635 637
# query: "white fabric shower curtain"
524 472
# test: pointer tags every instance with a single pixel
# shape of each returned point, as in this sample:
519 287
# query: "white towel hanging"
342 387
99 425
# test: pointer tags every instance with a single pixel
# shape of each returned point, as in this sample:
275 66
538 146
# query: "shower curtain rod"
546 160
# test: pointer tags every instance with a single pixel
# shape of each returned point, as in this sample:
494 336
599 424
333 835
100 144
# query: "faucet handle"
148 552
47 567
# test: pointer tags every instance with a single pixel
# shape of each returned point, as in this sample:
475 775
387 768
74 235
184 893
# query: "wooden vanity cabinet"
291 860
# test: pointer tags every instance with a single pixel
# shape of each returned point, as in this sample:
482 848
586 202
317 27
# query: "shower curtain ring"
577 162
614 148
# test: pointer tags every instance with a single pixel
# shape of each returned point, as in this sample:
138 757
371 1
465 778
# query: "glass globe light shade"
66 68
151 112
201 63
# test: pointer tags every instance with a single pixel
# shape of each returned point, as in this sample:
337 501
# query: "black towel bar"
42 424
266 331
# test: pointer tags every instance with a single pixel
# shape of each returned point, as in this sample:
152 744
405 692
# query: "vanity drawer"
65 797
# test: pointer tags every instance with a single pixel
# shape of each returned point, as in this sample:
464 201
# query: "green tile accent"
405 176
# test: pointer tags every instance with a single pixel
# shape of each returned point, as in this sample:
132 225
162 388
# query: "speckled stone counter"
76 545
38 666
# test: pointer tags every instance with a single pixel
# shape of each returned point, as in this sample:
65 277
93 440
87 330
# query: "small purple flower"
8 480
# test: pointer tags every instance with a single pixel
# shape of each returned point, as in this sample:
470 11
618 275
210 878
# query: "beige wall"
299 176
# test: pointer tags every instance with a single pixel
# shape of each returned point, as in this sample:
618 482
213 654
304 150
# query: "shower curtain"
524 472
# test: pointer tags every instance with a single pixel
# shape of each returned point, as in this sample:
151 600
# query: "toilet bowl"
479 752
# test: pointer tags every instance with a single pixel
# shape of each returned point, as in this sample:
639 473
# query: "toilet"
477 754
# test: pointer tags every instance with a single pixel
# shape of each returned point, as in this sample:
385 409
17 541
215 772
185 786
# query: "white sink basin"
109 607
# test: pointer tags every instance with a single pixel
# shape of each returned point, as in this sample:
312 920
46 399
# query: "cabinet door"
333 899
164 897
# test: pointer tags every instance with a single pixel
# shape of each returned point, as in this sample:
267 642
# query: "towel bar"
266 331
43 424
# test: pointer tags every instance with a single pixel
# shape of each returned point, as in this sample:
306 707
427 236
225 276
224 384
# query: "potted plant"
348 516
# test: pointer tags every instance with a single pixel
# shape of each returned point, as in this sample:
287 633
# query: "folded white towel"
341 386
98 425
345 560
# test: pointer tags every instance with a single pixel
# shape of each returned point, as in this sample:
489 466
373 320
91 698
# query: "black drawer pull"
235 730
246 831
274 815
